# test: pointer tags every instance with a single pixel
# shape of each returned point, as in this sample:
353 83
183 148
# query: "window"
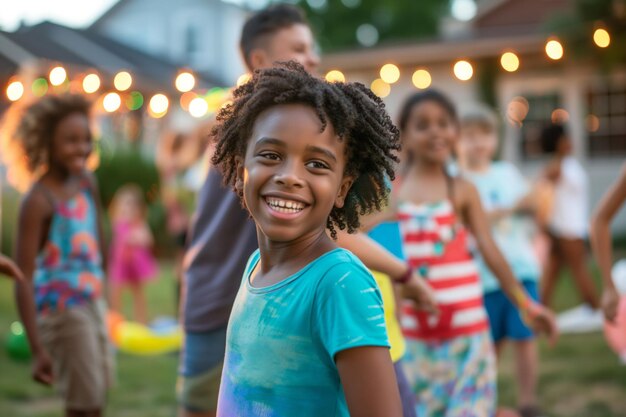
606 120
529 114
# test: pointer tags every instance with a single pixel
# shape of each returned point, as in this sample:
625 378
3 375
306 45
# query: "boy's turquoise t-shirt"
282 339
502 186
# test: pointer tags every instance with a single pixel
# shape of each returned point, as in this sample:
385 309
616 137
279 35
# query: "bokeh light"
198 107
390 73
91 83
111 102
123 80
602 38
593 123
15 90
185 81
463 70
159 104
333 76
134 101
57 76
421 79
554 49
380 88
517 111
40 87
509 61
559 116
186 98
243 78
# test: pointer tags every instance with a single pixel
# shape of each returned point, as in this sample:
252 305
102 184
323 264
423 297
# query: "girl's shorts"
82 360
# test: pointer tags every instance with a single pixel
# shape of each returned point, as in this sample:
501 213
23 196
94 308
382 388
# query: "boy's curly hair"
27 145
357 115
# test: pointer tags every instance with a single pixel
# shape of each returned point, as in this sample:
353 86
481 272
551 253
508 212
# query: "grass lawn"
580 377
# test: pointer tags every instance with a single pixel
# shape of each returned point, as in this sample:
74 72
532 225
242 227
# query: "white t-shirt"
570 212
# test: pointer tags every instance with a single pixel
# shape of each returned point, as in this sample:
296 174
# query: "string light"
111 102
421 79
463 70
509 61
91 83
198 107
380 88
243 78
601 37
554 49
335 76
15 91
390 73
57 76
123 80
185 81
159 104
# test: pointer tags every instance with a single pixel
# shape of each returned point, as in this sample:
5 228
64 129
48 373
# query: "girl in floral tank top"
450 361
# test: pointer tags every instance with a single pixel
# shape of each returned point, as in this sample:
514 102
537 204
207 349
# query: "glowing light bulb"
15 90
554 49
602 38
463 70
159 104
91 83
198 107
421 79
111 102
380 88
185 82
509 61
390 73
335 76
57 76
123 80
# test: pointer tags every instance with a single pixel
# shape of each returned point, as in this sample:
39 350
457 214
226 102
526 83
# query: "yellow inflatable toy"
138 339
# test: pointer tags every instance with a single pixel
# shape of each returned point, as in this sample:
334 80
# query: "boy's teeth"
285 206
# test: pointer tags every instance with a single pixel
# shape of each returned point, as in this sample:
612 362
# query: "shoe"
581 319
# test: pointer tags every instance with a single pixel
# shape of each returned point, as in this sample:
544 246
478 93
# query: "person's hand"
542 320
609 303
42 368
9 268
418 290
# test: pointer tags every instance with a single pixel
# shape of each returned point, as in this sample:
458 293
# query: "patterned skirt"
452 378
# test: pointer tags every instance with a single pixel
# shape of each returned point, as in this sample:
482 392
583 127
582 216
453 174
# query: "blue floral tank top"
69 267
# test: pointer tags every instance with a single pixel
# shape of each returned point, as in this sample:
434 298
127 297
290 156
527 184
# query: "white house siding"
160 27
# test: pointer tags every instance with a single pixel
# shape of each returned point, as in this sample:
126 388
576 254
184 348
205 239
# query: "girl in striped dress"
450 361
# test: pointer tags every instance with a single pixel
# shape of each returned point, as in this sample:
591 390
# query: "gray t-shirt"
222 238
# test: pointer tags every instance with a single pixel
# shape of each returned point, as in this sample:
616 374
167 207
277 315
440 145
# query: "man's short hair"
265 23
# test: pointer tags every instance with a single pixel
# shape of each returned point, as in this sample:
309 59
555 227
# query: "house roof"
88 48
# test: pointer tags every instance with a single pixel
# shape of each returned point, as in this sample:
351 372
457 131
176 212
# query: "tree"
336 22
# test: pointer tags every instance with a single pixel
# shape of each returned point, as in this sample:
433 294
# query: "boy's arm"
369 382
8 268
540 317
30 233
601 241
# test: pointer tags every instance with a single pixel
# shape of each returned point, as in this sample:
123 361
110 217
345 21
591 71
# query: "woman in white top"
567 225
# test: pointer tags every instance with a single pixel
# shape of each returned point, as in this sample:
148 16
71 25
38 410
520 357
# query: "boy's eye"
269 155
317 165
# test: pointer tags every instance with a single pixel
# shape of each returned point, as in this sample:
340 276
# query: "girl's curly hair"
27 144
357 115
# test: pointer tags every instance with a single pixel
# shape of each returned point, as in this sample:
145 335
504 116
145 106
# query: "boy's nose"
289 176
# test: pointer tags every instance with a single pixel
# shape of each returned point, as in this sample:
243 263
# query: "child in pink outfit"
131 263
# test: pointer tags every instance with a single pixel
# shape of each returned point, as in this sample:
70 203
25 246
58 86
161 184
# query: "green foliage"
127 165
335 24
576 29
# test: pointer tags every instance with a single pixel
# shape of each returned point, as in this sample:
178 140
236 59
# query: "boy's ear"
346 184
239 175
258 58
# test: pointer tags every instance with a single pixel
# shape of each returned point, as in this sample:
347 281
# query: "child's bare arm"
477 221
369 382
8 268
33 212
377 258
601 241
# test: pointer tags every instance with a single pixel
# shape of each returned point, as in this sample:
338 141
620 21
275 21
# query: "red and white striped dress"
435 244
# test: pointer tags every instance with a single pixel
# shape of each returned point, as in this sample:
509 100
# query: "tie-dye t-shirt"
282 339
69 267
